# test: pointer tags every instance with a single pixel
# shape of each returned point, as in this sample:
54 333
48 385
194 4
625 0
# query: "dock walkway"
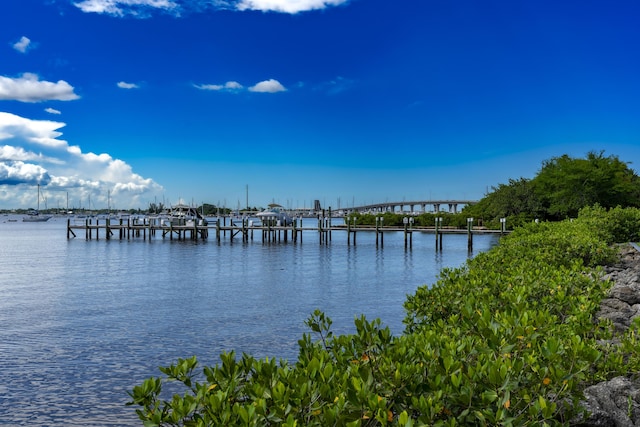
150 227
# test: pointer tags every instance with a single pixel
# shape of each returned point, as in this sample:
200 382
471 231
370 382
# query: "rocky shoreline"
616 402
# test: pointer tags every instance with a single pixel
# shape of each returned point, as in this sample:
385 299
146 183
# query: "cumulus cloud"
138 8
33 153
287 6
22 45
124 85
29 88
268 86
15 173
228 86
52 111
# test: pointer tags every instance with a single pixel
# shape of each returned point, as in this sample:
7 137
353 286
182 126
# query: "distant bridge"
419 206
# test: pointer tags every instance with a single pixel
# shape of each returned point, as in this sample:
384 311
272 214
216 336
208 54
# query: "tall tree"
564 185
515 199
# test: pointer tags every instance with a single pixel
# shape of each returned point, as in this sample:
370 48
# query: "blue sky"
128 102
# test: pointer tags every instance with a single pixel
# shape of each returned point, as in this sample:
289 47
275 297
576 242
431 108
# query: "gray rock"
616 403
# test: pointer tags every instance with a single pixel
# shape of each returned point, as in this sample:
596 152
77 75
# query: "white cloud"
14 173
43 133
268 86
228 86
33 154
29 88
52 111
22 45
124 85
144 8
287 6
10 153
126 7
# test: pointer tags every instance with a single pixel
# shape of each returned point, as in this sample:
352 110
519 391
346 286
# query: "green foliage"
562 187
565 185
515 201
390 219
508 339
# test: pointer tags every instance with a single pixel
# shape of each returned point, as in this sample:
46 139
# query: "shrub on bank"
509 338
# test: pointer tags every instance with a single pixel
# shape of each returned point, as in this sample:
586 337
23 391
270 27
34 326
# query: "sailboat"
33 215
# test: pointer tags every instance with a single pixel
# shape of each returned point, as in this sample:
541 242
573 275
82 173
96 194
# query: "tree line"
562 187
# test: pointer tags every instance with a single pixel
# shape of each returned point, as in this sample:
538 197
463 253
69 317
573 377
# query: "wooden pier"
268 232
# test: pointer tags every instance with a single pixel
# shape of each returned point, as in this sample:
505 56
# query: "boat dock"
246 230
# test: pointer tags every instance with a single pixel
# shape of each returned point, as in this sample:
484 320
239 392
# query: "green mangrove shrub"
507 339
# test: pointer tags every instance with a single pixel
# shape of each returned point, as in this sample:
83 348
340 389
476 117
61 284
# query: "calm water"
82 322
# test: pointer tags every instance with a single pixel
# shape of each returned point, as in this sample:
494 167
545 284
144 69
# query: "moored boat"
276 214
184 215
33 215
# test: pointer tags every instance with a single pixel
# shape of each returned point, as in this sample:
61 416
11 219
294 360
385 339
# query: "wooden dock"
150 227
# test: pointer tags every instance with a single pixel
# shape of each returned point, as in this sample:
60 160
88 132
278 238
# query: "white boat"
33 215
275 214
184 215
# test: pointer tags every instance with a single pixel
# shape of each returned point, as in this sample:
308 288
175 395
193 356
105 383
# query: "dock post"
329 229
285 230
438 221
411 233
224 224
294 231
69 230
218 229
377 231
275 231
268 231
348 232
107 229
405 221
245 229
354 230
470 234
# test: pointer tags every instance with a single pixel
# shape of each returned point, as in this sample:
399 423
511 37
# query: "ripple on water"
82 322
